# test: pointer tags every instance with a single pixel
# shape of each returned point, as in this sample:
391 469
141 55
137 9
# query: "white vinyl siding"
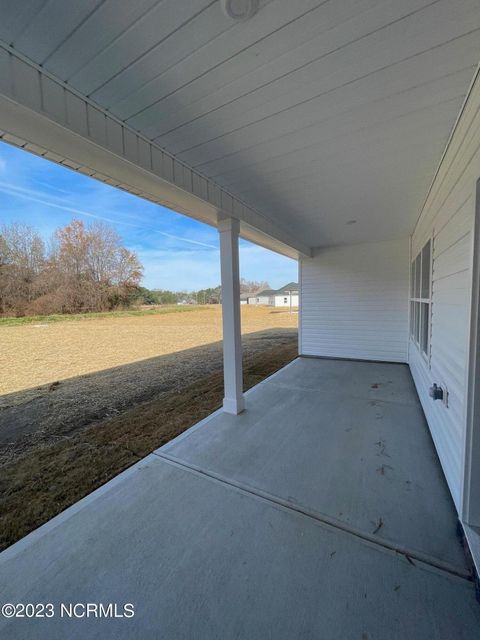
447 218
355 301
284 300
260 300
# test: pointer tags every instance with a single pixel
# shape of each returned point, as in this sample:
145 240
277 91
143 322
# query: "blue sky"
178 253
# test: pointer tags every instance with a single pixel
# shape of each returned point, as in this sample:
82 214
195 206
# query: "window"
285 300
420 298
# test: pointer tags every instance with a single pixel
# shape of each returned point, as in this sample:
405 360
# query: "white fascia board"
248 232
45 116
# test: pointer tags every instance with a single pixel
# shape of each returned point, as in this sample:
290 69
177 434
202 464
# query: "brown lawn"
83 400
40 353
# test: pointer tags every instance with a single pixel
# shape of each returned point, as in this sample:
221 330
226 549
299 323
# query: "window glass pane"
418 273
412 279
425 289
412 321
424 322
417 321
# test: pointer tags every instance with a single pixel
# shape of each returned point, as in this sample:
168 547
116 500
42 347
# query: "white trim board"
471 477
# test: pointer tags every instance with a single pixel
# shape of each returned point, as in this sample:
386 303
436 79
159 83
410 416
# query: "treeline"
214 295
80 269
211 295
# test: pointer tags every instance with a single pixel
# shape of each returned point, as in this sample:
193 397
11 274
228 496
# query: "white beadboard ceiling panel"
313 112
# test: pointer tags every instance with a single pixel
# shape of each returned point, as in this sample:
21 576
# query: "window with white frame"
420 298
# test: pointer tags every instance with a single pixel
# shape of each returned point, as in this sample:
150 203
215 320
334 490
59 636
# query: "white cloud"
39 197
188 240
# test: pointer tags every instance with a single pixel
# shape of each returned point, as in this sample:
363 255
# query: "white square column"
233 401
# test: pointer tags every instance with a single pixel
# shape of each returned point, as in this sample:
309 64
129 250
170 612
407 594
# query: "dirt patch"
32 356
47 478
44 415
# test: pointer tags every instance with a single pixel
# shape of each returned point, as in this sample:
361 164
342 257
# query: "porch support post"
233 401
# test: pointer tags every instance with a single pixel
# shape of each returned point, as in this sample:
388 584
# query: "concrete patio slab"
200 559
342 438
357 378
221 533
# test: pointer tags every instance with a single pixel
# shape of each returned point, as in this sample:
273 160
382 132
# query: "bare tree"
98 271
22 257
86 269
247 286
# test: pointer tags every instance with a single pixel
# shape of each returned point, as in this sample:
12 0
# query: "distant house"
244 297
286 296
263 297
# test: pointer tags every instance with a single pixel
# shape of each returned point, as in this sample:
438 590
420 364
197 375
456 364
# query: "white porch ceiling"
314 113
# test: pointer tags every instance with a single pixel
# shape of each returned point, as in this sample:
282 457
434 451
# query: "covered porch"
345 135
320 511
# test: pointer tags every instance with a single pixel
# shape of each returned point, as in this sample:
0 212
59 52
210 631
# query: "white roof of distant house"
291 287
264 293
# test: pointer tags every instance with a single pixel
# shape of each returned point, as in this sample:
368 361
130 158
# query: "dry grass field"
37 354
81 400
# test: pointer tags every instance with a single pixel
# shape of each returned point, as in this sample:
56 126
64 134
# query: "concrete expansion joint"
409 555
